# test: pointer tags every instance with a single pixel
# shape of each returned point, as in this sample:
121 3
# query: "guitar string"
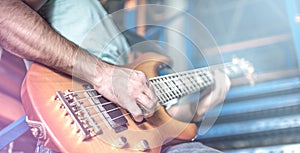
103 123
168 93
97 105
200 70
102 104
107 111
78 100
210 68
97 114
191 85
177 81
226 65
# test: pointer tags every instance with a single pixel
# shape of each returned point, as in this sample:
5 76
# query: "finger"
205 104
150 92
222 79
147 83
135 111
228 82
146 104
223 84
142 76
218 94
146 114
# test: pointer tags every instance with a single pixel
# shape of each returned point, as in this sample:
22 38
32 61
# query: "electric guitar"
68 115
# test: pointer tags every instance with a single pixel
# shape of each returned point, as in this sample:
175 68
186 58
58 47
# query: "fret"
202 82
186 82
178 83
185 86
196 81
163 96
175 87
191 84
159 88
206 77
168 90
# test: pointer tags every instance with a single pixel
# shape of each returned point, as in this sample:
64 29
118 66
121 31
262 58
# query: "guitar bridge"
88 110
87 127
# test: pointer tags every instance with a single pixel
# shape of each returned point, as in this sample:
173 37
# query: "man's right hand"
130 89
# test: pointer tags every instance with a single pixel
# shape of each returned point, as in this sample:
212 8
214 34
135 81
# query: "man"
26 34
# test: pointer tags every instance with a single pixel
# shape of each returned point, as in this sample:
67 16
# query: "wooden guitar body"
56 128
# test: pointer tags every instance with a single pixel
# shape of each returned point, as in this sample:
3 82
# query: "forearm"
24 33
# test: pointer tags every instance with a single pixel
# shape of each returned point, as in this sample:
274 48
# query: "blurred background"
264 117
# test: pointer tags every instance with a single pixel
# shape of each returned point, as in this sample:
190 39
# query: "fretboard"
179 84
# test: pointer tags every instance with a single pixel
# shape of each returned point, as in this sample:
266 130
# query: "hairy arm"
24 33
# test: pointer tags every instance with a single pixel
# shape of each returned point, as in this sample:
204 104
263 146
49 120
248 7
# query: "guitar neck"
179 84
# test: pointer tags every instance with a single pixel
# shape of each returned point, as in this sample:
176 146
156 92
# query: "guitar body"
55 128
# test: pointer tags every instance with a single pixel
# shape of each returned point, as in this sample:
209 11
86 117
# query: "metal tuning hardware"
246 67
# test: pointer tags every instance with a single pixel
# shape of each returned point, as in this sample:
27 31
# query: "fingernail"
138 119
